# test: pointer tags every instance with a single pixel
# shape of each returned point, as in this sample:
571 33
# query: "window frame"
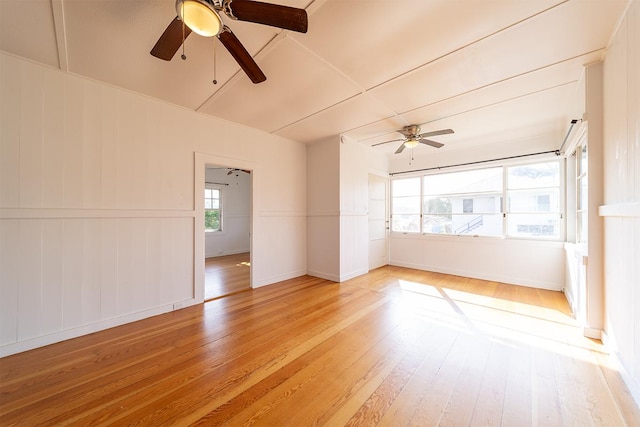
561 236
220 199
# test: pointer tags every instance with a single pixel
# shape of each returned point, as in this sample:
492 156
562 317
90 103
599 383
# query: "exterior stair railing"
469 226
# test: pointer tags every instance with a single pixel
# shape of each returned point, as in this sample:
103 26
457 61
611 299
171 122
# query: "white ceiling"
492 70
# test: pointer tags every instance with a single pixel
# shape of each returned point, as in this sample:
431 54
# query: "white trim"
518 281
201 160
54 213
620 210
40 341
632 384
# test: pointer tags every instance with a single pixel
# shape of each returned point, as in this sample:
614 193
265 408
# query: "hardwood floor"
226 275
394 347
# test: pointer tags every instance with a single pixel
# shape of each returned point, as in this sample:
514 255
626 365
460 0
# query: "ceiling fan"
238 170
203 17
413 137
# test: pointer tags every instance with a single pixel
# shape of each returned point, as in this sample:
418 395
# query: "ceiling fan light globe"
200 17
411 143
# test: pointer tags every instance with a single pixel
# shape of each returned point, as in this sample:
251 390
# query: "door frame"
201 160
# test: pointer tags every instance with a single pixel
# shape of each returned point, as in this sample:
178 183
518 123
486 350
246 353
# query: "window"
405 213
533 192
471 202
581 193
212 210
463 203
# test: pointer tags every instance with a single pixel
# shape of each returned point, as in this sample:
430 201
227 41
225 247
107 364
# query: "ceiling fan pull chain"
215 82
183 56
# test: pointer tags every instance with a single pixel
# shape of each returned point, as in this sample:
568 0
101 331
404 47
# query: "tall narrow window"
212 210
533 193
405 213
581 193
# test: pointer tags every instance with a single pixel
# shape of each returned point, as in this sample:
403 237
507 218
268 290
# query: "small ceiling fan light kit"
200 17
411 143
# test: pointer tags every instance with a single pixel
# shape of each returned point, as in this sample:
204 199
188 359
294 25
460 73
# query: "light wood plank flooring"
226 275
393 347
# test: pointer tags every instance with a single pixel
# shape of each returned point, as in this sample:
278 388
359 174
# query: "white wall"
323 209
236 197
337 197
621 209
97 204
354 199
531 263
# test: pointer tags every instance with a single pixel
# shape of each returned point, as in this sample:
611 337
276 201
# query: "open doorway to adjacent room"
227 240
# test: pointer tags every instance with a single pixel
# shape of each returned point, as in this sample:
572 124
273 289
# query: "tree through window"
212 210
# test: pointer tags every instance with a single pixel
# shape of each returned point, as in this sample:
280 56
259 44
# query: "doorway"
227 225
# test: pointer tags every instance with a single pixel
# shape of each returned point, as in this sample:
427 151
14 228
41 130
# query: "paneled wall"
621 209
354 198
97 210
323 208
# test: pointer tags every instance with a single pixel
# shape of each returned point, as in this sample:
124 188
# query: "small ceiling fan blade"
275 15
431 143
435 133
400 149
242 57
170 41
386 142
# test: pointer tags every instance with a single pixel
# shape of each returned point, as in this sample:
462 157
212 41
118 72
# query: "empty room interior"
320 212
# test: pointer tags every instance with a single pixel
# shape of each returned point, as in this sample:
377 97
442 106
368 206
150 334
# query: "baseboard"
275 279
41 341
632 384
592 333
323 275
345 277
490 277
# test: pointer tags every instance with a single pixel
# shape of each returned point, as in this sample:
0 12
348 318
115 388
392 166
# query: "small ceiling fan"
203 17
238 170
413 137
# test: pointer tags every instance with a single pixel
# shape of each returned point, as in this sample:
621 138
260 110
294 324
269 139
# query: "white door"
378 222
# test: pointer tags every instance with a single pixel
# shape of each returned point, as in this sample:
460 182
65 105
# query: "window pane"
215 193
405 187
207 204
406 223
212 220
582 159
207 193
534 176
543 200
215 203
406 205
475 181
482 225
481 203
534 225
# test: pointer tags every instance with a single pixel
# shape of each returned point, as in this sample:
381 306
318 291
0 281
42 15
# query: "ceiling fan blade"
386 142
431 143
400 149
435 133
170 41
242 57
275 15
